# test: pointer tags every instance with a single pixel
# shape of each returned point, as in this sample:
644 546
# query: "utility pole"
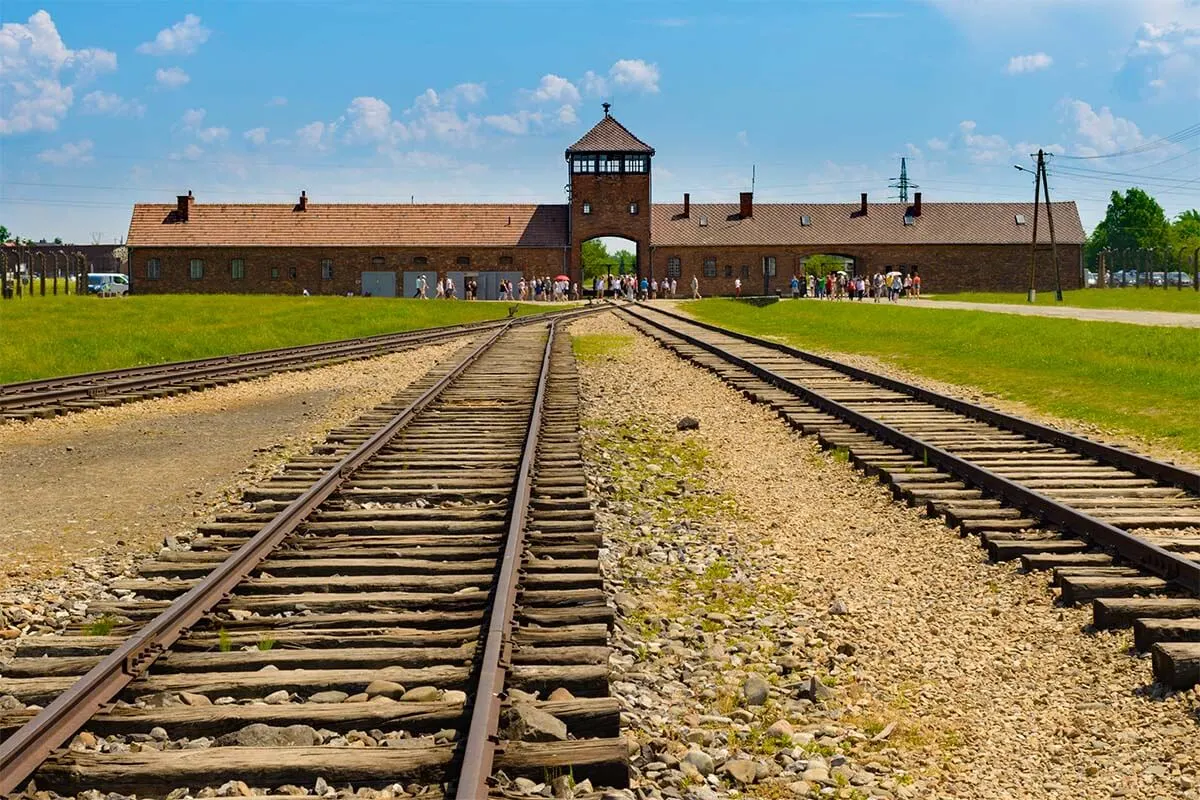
1050 218
1037 195
902 183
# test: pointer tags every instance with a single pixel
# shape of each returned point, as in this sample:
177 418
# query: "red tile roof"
839 224
609 136
345 224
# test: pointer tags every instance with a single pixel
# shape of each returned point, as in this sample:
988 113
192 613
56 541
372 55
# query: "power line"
1179 136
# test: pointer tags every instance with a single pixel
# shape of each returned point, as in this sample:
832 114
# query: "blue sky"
104 104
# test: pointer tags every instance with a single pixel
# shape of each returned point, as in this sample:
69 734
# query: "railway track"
1117 529
417 602
49 397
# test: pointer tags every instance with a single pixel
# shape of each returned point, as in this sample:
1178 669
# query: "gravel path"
118 480
1170 319
977 686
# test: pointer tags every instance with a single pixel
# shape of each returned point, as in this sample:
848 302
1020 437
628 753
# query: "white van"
108 283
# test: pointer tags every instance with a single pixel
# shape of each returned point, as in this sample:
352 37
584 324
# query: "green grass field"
1185 300
44 337
1138 379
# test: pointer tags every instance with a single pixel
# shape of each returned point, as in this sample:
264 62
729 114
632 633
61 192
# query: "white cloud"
435 116
371 121
182 38
912 150
190 153
70 153
34 60
594 85
315 135
1102 131
209 135
1030 63
171 78
636 74
193 118
1164 58
937 144
555 89
256 136
743 138
469 93
567 115
276 101
111 104
518 123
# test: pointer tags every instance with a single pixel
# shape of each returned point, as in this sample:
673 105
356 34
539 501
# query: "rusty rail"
479 750
23 752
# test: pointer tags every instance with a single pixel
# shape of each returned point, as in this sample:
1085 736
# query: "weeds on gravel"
101 626
266 643
224 641
599 346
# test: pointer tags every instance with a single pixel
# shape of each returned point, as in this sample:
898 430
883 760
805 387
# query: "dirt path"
120 479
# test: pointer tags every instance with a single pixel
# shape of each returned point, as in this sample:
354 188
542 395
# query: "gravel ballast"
897 661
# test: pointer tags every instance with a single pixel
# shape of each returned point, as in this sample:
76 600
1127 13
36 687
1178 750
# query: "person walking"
421 288
737 287
795 287
695 288
916 284
674 285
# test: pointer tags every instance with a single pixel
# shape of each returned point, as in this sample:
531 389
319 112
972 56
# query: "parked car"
107 283
1090 279
1179 279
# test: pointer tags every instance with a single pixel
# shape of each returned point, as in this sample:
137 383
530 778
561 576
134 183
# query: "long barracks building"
382 249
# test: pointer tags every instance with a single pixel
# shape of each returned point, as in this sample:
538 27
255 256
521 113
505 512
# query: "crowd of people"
632 288
840 286
557 289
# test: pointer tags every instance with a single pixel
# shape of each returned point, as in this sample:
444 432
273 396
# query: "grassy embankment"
49 336
1183 300
1128 378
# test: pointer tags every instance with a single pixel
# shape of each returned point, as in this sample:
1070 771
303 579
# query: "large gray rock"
526 723
383 688
701 760
742 770
756 689
260 735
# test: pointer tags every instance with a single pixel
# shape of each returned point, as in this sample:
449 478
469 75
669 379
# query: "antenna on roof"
606 106
752 175
902 183
412 199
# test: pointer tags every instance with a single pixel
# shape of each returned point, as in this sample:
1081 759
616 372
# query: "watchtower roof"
609 136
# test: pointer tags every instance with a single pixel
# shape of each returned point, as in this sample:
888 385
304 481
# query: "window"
633 209
274 273
506 261
583 164
377 262
745 270
608 164
153 269
196 269
420 261
703 222
769 266
729 270
710 268
674 267
237 269
805 221
909 219
587 208
1020 219
463 261
292 273
635 163
327 269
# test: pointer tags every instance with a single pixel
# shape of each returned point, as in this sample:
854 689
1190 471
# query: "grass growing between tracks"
1142 299
1130 378
43 337
598 346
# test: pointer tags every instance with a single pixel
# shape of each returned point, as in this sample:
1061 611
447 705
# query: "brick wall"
348 265
943 268
609 196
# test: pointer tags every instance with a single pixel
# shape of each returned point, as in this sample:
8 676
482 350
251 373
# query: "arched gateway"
609 182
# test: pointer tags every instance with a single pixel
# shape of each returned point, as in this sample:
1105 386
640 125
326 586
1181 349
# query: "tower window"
583 164
710 268
587 208
635 163
633 209
608 164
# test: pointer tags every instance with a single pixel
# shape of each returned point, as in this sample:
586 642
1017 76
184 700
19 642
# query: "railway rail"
1118 529
49 397
417 601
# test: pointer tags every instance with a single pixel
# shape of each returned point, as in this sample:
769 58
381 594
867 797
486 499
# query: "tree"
3 234
1134 221
597 261
58 240
1185 237
823 264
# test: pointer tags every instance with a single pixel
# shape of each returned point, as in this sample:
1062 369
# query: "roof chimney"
747 209
183 205
303 204
862 209
687 205
917 204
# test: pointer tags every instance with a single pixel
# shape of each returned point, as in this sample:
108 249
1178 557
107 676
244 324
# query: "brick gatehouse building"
381 249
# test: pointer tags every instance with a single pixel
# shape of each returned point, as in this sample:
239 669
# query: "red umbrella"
561 278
